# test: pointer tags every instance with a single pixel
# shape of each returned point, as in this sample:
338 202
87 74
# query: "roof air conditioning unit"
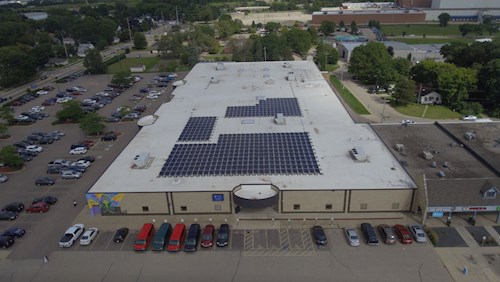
141 160
214 80
280 119
287 65
358 154
291 76
220 66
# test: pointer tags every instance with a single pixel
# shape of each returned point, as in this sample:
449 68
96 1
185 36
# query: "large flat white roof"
331 131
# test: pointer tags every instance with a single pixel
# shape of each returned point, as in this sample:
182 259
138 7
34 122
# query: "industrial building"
247 137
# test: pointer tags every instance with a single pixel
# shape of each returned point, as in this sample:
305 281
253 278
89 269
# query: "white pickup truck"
71 235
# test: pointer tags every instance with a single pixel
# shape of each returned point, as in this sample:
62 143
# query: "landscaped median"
354 103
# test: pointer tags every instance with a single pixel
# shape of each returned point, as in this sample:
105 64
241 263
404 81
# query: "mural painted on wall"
102 203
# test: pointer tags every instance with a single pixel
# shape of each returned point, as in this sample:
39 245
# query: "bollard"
165 220
182 220
273 221
237 221
195 219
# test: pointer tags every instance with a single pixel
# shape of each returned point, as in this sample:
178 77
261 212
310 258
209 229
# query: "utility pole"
419 93
176 16
162 20
129 31
265 55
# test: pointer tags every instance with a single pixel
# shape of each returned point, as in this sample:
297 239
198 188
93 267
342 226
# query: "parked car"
55 169
109 137
78 151
370 235
13 232
223 235
6 241
8 215
14 207
58 132
207 237
45 180
82 163
319 235
131 116
3 178
120 235
40 207
88 236
78 145
407 121
418 233
469 117
77 168
71 235
403 234
87 158
34 148
387 233
45 199
112 119
62 162
192 238
352 237
70 174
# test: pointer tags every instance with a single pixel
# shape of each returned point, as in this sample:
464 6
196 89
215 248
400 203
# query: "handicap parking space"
278 242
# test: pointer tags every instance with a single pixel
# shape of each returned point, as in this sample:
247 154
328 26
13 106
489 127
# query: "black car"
109 137
27 153
112 119
45 180
8 215
13 232
46 199
223 235
120 235
14 207
76 168
192 238
35 138
87 158
55 169
26 158
21 144
46 140
6 241
319 235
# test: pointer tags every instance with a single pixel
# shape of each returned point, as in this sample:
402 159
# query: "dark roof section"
461 192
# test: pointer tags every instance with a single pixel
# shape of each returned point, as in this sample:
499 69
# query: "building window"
184 208
490 194
296 207
395 206
363 206
145 208
218 207
328 206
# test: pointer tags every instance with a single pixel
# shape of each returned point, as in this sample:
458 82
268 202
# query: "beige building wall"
200 202
380 200
144 203
313 201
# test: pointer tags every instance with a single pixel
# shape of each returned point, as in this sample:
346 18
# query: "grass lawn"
331 67
420 29
413 40
433 111
348 97
125 64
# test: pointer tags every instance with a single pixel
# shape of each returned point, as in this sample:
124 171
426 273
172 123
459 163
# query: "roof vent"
141 160
358 154
220 66
280 119
287 65
290 76
214 80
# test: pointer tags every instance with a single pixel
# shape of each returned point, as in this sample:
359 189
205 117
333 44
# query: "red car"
87 142
403 234
40 207
207 238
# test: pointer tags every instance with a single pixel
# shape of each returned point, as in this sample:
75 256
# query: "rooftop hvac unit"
469 136
426 155
287 65
214 80
141 160
290 76
358 154
280 119
220 66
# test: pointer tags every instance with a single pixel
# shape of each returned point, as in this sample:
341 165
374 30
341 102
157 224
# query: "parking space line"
284 239
95 239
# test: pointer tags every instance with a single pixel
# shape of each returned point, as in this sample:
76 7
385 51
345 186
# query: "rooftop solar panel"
198 129
266 108
244 154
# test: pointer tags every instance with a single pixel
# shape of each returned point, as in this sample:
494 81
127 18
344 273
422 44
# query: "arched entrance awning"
256 196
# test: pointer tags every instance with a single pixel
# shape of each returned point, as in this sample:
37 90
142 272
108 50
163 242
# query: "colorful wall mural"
104 203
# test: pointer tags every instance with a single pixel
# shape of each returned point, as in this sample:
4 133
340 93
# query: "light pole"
265 55
382 118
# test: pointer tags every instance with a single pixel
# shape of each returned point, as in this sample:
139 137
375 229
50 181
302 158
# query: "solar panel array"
198 129
244 154
266 108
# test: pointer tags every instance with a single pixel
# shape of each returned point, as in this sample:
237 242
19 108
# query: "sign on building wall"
437 214
218 197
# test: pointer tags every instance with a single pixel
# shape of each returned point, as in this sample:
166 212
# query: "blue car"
13 232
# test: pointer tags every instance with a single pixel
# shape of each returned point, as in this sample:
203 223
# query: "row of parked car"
172 239
29 147
388 234
38 205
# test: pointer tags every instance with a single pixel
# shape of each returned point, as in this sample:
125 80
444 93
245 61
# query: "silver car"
3 178
352 237
70 174
418 233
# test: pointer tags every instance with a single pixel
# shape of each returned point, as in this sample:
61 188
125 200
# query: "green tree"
466 29
489 79
341 24
171 45
327 27
402 66
92 123
404 92
7 114
372 64
122 78
140 41
71 111
93 62
16 65
354 28
326 54
190 56
444 18
9 157
300 41
3 129
272 26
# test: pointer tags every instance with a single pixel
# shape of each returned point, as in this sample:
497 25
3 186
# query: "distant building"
83 48
37 16
137 68
68 41
432 98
